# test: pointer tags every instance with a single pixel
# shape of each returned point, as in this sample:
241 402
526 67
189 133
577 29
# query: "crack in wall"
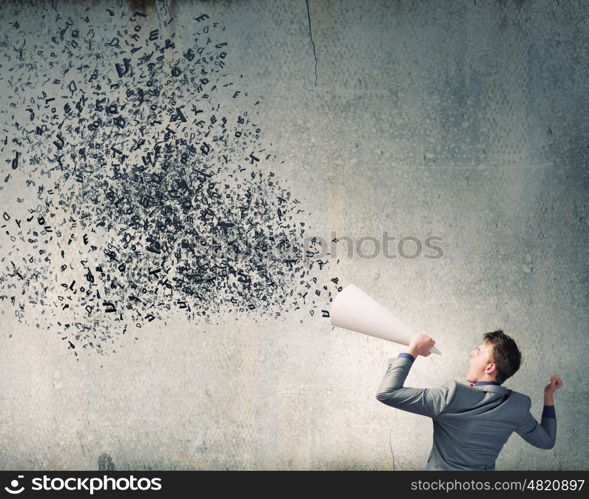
311 36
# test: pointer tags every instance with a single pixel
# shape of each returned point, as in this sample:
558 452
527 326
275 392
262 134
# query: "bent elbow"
388 398
385 397
548 444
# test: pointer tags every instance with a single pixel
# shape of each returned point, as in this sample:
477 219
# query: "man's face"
480 363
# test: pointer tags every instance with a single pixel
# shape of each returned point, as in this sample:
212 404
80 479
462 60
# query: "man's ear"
491 368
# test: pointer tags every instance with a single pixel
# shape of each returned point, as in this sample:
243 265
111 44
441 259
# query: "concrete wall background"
460 120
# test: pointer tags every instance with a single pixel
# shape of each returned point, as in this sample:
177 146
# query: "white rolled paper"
353 309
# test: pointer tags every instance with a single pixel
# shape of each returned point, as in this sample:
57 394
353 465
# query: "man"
472 422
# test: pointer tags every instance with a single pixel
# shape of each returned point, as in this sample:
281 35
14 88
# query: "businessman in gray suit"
472 421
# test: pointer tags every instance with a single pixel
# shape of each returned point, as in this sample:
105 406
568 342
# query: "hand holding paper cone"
355 310
421 344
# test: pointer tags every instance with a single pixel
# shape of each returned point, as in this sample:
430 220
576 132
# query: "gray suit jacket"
471 423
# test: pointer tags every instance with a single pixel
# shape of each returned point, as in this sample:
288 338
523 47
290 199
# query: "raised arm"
424 401
542 435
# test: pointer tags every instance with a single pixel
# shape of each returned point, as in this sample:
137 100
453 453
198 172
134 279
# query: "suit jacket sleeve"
541 435
424 401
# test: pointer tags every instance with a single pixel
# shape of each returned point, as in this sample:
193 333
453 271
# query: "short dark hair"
505 354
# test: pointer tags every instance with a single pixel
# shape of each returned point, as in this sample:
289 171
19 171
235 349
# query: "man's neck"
486 381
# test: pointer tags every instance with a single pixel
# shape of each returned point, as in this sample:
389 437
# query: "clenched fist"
555 384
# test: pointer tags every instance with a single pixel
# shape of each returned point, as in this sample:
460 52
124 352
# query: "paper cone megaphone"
353 309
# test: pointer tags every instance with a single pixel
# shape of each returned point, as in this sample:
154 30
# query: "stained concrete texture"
456 120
